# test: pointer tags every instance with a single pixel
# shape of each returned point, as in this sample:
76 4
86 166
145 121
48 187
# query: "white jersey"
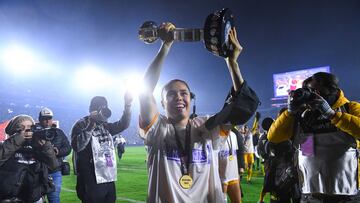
248 142
164 162
228 166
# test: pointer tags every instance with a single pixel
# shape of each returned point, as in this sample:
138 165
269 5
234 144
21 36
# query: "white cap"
45 112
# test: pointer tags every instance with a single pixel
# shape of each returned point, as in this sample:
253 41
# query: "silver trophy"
214 34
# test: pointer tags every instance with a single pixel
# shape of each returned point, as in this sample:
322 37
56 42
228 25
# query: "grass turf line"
132 180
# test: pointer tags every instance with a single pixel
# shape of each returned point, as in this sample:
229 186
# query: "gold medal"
231 157
186 181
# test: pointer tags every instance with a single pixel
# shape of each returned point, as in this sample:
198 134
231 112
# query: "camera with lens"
41 133
302 96
102 114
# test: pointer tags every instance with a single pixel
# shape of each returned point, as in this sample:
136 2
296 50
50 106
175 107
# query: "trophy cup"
215 33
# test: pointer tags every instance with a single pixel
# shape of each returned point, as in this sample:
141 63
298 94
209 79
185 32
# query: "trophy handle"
188 34
148 33
214 34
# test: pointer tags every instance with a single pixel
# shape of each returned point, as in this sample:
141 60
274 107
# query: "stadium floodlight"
18 60
91 78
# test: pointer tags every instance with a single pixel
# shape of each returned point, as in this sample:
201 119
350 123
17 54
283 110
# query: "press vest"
332 167
103 152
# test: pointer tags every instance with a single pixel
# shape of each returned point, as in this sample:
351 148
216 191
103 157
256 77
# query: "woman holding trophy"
182 151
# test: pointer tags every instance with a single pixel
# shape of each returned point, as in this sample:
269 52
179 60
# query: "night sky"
277 36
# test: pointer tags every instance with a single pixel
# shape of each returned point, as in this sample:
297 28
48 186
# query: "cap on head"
14 125
45 113
97 102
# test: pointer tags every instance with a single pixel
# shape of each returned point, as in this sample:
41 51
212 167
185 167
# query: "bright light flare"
134 84
91 78
19 60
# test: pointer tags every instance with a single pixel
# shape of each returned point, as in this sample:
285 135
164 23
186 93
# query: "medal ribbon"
185 152
230 145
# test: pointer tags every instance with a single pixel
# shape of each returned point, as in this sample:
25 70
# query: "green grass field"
131 185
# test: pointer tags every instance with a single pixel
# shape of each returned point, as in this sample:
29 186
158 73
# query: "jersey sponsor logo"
226 153
198 155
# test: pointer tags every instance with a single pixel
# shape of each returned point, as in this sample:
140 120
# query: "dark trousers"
90 192
319 198
284 198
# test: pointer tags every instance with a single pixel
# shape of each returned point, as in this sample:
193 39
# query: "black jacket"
238 108
24 168
81 140
59 140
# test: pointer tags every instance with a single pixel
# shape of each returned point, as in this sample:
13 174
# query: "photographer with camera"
325 127
94 150
24 163
62 148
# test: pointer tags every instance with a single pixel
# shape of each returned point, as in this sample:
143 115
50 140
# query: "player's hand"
236 47
165 33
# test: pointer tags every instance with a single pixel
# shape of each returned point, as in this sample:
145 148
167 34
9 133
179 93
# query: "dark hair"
307 81
167 85
266 123
324 79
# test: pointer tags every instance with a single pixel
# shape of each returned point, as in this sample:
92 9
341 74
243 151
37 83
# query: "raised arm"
124 122
231 61
148 108
242 101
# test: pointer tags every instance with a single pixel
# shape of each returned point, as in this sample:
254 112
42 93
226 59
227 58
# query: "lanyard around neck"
230 145
185 151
